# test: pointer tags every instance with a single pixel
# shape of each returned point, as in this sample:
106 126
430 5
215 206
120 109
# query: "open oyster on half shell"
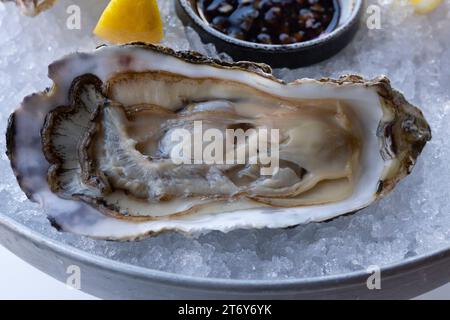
97 150
32 7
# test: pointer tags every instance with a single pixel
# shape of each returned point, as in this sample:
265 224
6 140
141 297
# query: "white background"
19 280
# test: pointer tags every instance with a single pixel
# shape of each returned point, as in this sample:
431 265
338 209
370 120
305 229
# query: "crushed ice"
413 50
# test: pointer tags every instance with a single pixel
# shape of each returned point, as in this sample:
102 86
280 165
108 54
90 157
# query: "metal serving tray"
110 279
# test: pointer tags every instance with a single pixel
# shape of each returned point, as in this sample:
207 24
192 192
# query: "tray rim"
393 270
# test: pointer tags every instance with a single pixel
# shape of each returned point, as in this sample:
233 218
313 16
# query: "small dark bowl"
278 56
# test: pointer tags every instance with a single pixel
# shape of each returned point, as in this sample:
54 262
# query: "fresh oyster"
97 150
32 7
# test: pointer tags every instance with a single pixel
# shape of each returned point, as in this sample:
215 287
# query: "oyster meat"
98 149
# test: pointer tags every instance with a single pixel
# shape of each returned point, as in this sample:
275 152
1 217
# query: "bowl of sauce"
281 33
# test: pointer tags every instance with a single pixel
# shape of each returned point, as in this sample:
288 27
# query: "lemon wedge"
130 20
425 6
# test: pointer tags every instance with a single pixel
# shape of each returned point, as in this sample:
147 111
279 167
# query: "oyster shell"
105 166
32 7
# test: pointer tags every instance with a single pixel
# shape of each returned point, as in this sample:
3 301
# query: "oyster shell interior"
123 154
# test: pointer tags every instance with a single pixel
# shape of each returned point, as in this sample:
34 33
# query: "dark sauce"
271 21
